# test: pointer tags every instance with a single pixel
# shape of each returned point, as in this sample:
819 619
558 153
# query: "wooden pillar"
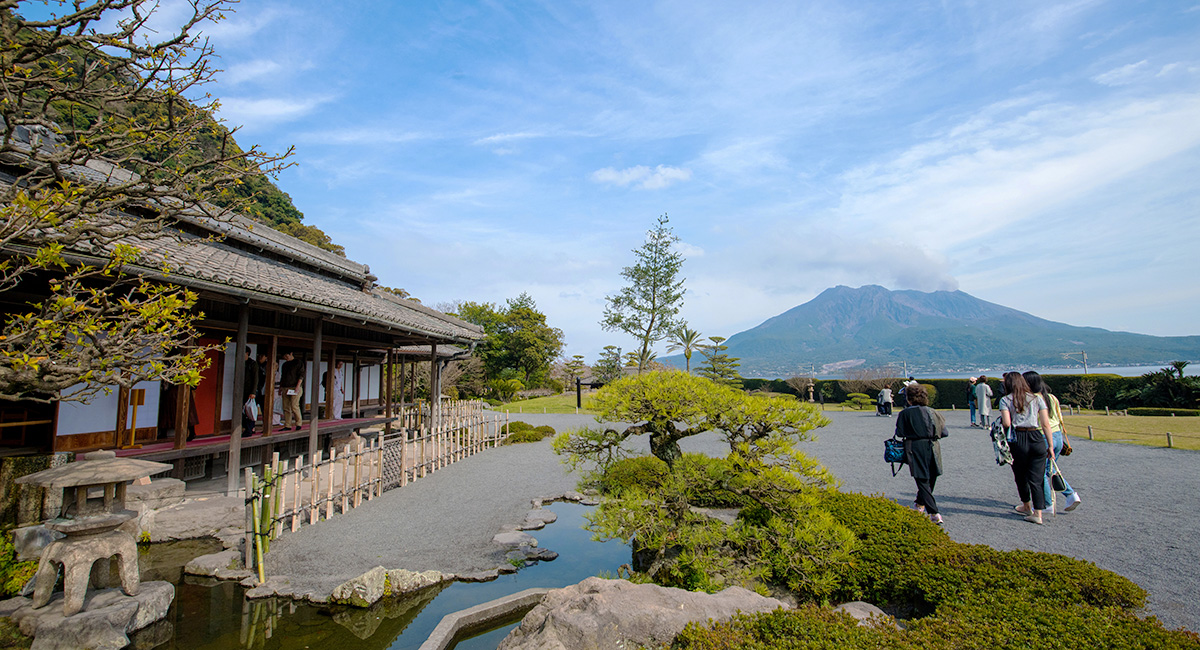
181 416
386 388
269 389
315 382
239 389
357 375
328 387
122 417
403 370
434 402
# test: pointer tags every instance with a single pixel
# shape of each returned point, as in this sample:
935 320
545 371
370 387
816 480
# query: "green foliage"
648 307
11 637
518 343
608 367
860 401
13 574
990 623
719 366
525 432
964 596
1166 388
517 426
687 340
933 393
645 473
1163 411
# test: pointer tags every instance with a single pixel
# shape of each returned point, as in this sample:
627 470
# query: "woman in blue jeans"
1037 385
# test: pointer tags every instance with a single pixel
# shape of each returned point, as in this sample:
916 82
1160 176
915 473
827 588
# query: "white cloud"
642 177
251 70
506 137
1123 75
273 109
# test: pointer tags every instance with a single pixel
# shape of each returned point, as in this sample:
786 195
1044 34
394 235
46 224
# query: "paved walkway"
1138 515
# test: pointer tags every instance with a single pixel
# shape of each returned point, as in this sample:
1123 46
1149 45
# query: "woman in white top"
1025 416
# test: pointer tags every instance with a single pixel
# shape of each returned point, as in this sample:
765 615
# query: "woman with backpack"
920 427
1058 436
1027 419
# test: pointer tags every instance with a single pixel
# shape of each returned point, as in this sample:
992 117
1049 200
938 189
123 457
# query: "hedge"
953 596
1163 412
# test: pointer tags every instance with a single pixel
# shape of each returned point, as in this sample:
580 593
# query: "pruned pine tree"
719 366
102 148
648 307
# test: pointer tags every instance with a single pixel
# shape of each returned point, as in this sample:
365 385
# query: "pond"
212 615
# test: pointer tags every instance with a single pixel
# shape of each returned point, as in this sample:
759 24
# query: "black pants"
1029 466
925 494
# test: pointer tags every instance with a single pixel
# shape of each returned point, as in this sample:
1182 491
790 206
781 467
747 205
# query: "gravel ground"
446 521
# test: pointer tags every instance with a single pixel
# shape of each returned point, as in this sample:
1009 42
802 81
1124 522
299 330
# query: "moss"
11 637
13 574
144 537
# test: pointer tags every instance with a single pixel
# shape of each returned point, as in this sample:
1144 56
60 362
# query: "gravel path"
446 521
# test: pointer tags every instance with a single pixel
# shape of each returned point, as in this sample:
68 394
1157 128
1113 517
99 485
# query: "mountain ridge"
934 331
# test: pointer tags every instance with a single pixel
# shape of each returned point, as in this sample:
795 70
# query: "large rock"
107 618
537 518
362 591
515 539
866 613
403 581
203 517
29 541
158 493
599 613
225 565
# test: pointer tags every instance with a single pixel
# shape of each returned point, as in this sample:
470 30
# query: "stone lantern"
90 525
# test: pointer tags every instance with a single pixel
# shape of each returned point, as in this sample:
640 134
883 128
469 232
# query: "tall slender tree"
648 308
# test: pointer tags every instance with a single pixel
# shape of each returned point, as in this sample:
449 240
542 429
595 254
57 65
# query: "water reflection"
214 615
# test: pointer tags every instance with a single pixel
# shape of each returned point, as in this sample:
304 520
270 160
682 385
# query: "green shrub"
643 472
13 574
526 435
933 394
860 400
546 430
1163 412
991 622
517 426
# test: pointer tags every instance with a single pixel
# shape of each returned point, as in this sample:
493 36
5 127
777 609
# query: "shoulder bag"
893 453
1056 478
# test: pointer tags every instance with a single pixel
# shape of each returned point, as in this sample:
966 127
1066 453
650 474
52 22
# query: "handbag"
893 453
1057 482
1066 448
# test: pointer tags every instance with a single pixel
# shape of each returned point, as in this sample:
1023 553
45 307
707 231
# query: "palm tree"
1178 367
686 339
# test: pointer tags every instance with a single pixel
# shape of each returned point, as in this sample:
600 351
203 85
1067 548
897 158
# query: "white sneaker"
1072 502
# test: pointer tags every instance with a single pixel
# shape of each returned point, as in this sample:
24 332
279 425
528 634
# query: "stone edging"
451 625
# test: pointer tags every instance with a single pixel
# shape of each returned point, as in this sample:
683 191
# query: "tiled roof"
198 262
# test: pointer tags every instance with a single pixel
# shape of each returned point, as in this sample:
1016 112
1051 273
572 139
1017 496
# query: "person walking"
291 380
1025 416
885 402
983 401
337 391
971 399
921 428
1058 437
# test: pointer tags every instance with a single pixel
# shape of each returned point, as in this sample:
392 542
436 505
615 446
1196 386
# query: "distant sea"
1192 370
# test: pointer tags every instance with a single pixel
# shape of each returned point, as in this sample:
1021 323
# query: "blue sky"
1041 155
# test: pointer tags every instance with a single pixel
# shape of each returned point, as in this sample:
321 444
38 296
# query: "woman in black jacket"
921 427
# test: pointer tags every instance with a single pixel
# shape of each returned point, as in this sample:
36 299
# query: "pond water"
213 615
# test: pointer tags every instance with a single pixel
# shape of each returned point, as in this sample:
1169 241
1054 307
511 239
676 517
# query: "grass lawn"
561 403
1137 430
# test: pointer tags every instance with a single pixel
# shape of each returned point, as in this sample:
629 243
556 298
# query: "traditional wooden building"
271 293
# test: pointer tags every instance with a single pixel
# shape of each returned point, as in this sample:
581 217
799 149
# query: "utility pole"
1082 354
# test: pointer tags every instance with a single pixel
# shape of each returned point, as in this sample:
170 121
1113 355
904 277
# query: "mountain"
940 331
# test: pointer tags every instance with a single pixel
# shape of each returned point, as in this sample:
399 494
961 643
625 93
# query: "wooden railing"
289 495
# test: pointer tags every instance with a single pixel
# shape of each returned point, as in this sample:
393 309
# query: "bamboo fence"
304 491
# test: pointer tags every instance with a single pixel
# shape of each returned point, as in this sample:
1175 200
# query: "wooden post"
316 489
248 551
1090 433
296 496
345 476
315 383
329 488
388 390
181 416
277 494
403 371
268 415
283 494
1106 410
357 377
358 447
122 417
1169 444
239 388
